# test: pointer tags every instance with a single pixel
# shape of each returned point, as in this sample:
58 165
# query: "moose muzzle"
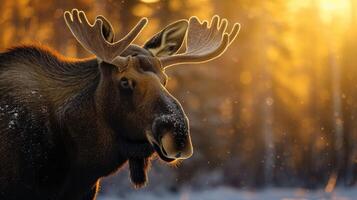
170 137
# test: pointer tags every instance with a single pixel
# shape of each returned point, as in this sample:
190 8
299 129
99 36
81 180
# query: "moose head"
131 96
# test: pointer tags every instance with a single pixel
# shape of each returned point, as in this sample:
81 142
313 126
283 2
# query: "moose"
65 123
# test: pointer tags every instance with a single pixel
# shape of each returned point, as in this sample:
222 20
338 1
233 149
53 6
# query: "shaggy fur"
65 123
54 142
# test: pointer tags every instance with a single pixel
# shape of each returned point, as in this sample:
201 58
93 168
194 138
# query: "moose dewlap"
66 123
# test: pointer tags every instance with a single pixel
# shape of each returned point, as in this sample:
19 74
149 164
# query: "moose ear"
107 29
169 40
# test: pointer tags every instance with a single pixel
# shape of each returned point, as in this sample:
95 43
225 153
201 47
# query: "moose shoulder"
65 123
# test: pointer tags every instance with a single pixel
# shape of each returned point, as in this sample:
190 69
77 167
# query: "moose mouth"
161 152
159 149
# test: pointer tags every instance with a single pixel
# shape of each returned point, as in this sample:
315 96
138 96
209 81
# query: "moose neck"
51 76
76 80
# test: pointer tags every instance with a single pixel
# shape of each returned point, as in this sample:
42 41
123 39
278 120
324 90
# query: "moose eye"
127 84
124 83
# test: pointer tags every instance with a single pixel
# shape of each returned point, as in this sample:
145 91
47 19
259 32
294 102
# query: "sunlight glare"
150 1
330 9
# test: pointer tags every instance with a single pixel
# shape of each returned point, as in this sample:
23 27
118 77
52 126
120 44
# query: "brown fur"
61 141
65 123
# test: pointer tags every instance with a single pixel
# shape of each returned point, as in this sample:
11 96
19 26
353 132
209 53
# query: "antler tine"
234 33
131 36
204 42
91 36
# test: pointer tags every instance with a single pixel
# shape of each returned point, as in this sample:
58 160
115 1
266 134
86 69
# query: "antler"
91 37
203 42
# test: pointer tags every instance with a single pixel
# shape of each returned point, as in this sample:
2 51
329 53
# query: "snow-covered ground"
224 193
